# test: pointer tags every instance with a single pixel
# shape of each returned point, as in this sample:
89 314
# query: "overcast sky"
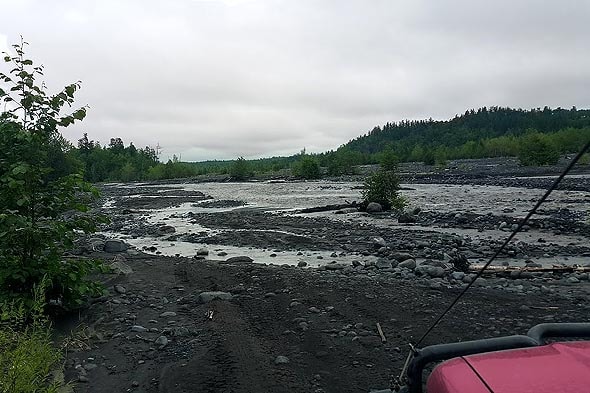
217 79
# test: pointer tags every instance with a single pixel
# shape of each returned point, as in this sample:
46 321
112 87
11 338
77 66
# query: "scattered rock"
206 297
168 314
114 245
334 266
166 229
239 259
202 252
120 289
374 207
281 360
408 264
120 267
162 341
379 242
406 218
383 263
401 256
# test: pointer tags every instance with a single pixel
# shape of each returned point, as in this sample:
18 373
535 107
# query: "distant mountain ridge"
473 125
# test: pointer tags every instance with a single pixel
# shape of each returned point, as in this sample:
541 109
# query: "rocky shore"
298 309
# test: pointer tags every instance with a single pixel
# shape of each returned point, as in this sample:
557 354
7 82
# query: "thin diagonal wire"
522 223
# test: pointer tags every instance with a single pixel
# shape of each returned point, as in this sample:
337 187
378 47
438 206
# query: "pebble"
162 341
120 289
138 329
281 360
408 264
168 314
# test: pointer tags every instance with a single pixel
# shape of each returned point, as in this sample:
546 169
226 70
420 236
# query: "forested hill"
471 127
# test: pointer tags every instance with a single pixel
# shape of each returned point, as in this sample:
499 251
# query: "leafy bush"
307 167
383 187
428 158
240 170
535 150
388 160
43 203
585 159
341 162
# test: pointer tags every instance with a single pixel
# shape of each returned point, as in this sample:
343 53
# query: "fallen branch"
383 339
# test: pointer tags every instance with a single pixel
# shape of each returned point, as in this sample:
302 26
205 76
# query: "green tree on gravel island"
383 186
43 199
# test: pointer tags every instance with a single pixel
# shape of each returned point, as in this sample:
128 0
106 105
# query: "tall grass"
27 354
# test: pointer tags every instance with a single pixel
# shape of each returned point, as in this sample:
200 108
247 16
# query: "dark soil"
332 347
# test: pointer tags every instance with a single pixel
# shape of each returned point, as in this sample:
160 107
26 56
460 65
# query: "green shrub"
307 167
428 158
535 150
43 203
240 170
383 187
388 160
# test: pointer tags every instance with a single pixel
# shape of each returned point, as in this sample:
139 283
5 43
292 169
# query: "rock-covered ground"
206 323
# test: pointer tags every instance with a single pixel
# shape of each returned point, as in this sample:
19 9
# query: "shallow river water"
289 196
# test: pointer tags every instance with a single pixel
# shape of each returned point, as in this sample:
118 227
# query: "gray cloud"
217 79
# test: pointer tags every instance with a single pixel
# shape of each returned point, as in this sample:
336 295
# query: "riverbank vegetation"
536 136
44 207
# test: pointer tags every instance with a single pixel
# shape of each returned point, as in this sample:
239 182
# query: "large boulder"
374 207
115 245
206 297
383 263
379 242
408 264
401 256
335 266
166 229
239 259
406 218
429 270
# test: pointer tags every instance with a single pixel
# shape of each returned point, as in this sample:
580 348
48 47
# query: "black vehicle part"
558 330
535 337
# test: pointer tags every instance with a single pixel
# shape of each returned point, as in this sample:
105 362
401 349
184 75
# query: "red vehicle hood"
558 367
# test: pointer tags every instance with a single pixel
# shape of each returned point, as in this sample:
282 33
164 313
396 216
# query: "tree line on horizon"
536 136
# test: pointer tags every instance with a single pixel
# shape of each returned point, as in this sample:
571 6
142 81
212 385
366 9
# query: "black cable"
522 223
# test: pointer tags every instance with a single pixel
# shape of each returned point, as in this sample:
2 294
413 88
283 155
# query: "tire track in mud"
237 356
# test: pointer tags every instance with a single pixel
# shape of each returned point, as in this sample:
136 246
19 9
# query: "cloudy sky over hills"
222 78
